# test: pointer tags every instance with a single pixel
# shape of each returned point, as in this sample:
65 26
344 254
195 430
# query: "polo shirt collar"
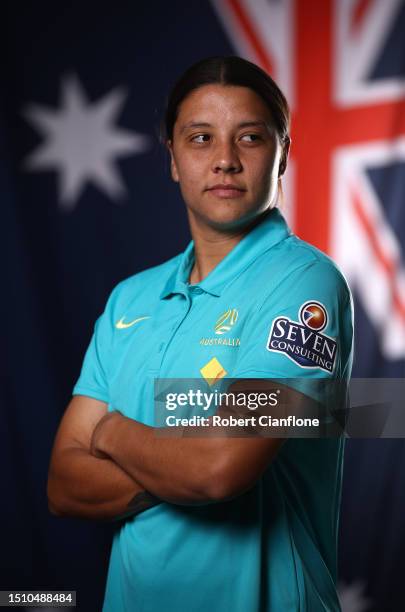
269 232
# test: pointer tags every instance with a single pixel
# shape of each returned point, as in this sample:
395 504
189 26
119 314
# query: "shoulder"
156 274
295 270
298 260
305 257
146 283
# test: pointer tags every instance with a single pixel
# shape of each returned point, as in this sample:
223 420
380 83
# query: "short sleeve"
302 330
93 379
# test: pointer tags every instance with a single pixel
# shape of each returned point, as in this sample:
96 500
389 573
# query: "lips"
227 190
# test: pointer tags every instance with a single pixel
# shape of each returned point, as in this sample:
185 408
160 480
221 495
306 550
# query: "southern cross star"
81 142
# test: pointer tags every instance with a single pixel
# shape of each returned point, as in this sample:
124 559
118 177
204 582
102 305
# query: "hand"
98 439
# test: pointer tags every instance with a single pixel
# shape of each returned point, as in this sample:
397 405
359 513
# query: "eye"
251 137
200 138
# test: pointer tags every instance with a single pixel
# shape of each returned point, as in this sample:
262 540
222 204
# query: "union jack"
348 116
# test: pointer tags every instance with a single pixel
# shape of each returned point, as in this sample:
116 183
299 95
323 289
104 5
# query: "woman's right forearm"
81 485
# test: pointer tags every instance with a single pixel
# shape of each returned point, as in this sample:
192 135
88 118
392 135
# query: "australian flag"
87 200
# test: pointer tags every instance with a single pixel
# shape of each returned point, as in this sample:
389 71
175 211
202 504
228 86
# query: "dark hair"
231 70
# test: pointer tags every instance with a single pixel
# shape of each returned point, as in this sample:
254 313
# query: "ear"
284 157
173 166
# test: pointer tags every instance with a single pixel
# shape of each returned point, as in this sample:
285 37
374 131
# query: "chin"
226 217
230 221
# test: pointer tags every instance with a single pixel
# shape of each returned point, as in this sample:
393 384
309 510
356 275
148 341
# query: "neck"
211 245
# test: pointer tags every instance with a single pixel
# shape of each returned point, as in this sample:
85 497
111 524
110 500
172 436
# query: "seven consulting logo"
303 342
314 316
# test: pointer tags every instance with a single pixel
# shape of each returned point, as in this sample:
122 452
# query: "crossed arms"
106 466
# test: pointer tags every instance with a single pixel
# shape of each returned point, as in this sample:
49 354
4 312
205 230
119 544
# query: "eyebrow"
198 124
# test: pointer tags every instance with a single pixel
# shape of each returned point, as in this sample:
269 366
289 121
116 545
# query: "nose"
226 158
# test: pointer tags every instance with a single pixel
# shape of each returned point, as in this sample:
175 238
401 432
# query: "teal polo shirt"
274 307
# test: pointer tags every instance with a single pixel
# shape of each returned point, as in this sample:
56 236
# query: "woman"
229 523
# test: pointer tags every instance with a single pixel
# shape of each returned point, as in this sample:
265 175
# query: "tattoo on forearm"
140 502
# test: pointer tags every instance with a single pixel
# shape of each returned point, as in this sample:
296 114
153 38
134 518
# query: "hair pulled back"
231 70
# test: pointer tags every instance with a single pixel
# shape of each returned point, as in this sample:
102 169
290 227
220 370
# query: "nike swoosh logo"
121 325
